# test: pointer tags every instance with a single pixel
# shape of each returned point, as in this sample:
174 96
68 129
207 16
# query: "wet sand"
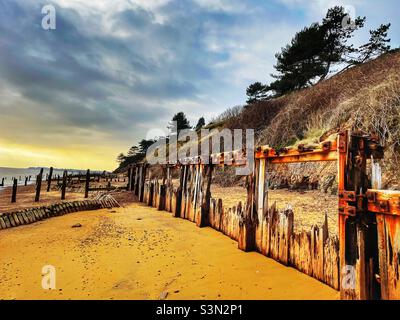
137 252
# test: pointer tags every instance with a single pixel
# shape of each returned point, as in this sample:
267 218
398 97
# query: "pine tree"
312 53
377 44
181 122
200 124
256 92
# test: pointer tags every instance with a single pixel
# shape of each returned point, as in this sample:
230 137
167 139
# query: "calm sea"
20 174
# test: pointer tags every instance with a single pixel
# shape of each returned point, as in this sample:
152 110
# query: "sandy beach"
137 252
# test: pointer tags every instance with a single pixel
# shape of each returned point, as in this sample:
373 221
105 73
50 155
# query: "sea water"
20 173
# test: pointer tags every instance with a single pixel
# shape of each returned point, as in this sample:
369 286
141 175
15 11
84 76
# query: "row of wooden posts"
62 183
363 262
27 179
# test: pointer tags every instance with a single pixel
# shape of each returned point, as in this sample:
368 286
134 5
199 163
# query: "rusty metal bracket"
327 145
347 195
346 210
342 142
381 202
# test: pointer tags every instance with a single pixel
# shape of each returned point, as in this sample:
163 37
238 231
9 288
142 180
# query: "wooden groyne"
28 216
67 182
362 262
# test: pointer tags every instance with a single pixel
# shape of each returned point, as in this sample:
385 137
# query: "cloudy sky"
112 70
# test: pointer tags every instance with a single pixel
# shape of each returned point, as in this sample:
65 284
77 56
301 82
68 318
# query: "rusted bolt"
359 161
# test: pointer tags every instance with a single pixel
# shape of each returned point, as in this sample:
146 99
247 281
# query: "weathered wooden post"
2 182
203 219
50 176
132 179
357 229
261 203
39 178
246 241
64 185
136 182
142 179
26 181
183 191
129 187
14 191
180 191
87 181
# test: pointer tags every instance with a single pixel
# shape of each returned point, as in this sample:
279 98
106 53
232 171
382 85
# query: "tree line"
137 153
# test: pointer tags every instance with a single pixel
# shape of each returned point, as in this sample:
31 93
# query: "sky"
114 72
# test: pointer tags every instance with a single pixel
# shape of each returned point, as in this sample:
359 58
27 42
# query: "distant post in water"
39 178
26 180
50 176
14 191
64 185
87 183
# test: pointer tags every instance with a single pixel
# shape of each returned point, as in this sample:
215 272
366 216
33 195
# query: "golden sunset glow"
73 157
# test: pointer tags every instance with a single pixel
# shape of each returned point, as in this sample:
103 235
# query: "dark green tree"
300 61
121 158
256 92
144 145
200 124
377 44
313 51
133 151
338 28
181 122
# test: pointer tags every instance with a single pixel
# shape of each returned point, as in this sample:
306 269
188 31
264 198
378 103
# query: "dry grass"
309 207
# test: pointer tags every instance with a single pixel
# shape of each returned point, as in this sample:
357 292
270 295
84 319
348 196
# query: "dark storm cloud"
130 68
66 72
